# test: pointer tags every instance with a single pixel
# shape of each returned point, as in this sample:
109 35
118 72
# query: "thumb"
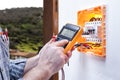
61 43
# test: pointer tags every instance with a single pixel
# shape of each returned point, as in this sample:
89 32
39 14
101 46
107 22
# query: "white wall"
89 67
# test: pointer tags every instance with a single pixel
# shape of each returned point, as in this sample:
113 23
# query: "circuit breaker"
92 21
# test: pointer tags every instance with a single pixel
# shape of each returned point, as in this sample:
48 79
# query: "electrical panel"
92 21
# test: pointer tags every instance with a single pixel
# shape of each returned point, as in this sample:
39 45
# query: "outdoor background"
24 27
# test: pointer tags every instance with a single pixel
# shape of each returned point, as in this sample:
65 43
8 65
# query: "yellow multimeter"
70 32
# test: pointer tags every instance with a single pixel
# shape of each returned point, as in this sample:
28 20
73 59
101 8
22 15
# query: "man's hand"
51 60
52 55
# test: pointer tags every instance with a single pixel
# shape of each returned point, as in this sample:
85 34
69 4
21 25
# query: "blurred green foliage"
24 26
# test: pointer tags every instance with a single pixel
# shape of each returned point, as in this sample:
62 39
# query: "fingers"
61 43
57 43
68 55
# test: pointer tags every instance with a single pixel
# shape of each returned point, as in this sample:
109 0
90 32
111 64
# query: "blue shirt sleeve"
16 68
20 79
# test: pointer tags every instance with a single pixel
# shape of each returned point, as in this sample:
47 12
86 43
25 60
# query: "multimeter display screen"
67 33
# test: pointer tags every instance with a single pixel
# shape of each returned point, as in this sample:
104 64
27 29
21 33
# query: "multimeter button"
58 38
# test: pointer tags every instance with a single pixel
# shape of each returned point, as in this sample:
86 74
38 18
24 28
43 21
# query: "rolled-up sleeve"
17 69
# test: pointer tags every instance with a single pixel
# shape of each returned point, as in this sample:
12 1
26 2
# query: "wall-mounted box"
92 21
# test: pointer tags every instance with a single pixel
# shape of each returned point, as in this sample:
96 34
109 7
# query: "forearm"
31 62
38 73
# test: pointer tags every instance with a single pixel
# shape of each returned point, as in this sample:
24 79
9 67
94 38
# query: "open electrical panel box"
92 21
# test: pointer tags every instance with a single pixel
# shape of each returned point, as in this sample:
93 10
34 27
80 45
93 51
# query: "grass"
29 47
